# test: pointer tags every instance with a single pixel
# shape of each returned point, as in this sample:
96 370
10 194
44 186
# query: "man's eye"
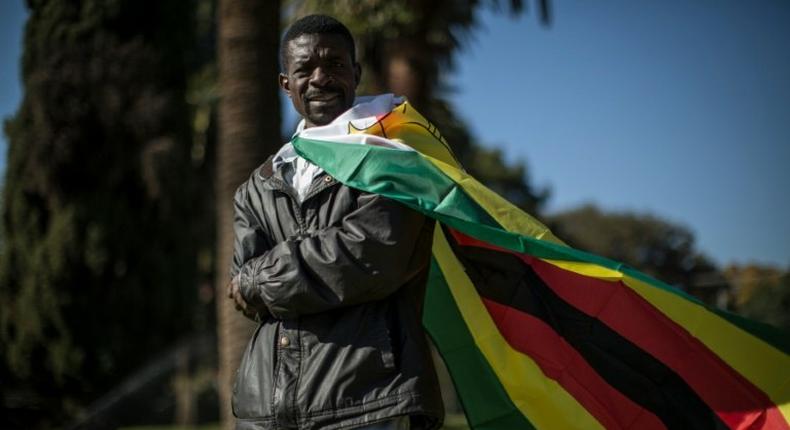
337 64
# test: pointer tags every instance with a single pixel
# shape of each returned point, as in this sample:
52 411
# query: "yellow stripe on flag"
508 215
541 399
404 124
763 365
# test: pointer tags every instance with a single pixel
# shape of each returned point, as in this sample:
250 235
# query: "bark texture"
249 130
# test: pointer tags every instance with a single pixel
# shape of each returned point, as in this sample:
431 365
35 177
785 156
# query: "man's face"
320 77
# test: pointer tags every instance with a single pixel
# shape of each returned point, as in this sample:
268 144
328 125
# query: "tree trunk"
249 130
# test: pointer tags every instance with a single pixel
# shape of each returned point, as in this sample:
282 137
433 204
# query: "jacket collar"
266 171
272 179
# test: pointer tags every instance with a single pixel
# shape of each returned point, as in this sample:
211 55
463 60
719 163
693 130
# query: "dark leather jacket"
343 278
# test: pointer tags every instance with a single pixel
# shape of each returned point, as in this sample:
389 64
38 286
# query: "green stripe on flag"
409 178
404 176
485 402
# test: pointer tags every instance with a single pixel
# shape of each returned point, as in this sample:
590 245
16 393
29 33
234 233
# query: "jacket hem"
368 413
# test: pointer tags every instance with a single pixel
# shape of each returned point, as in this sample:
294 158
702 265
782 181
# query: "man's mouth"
323 98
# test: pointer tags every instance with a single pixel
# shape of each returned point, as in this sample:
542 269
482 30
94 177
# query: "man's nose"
320 78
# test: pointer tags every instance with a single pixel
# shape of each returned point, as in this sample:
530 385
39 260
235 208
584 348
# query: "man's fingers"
234 293
250 314
240 303
233 286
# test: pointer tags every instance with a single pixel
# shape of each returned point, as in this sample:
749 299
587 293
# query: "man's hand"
234 293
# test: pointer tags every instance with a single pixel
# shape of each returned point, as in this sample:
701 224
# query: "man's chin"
325 116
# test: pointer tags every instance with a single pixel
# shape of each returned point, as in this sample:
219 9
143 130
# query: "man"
335 276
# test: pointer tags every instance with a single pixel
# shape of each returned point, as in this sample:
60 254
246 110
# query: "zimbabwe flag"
539 335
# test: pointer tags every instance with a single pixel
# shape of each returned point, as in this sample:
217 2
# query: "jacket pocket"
385 341
252 396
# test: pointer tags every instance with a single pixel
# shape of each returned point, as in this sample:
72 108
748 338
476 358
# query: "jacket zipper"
298 209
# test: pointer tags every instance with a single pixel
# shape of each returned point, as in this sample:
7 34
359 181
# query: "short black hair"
316 24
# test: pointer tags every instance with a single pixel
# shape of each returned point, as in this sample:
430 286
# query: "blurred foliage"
646 242
105 212
761 293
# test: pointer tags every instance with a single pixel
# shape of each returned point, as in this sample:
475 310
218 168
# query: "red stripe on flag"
561 362
735 400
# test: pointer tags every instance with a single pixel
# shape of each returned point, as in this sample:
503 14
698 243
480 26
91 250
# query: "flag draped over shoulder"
536 334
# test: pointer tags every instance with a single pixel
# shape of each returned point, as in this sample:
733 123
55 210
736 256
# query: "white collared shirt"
299 173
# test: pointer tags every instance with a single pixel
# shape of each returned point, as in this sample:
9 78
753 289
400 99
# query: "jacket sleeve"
365 258
249 240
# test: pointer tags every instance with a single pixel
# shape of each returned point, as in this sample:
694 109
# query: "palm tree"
249 130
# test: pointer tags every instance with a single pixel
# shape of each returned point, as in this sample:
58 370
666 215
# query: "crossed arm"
364 258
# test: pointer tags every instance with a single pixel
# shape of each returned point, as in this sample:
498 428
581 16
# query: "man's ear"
357 73
284 83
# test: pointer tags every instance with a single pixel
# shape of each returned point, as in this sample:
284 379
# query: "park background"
654 134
